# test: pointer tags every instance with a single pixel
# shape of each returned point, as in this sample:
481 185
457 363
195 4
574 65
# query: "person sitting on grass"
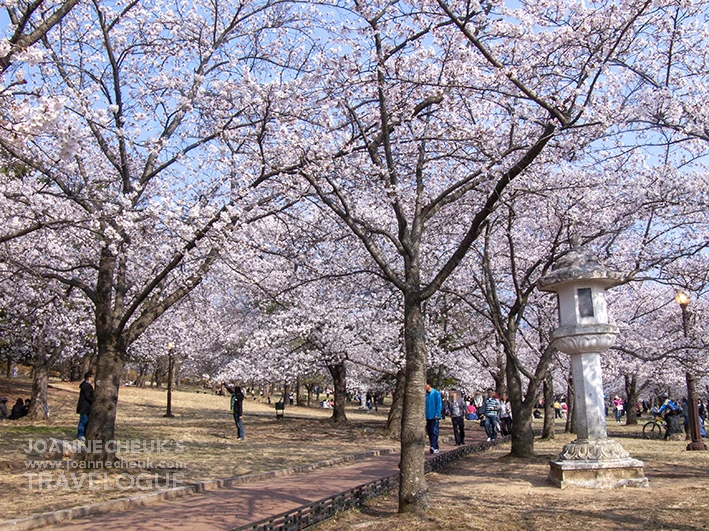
3 408
472 412
18 410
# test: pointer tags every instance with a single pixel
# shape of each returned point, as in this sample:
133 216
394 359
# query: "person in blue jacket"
670 411
434 404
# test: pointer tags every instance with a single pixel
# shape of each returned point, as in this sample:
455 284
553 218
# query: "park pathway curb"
310 514
133 502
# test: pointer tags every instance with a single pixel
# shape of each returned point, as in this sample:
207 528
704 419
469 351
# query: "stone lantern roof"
579 265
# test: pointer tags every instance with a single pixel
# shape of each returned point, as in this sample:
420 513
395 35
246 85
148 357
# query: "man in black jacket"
18 410
83 408
237 408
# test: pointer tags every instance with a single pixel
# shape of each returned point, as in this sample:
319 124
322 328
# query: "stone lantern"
592 460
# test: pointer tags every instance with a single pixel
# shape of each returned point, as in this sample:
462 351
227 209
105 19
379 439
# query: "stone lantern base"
599 474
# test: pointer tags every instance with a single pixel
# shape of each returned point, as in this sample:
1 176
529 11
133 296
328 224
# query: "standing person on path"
478 401
618 408
505 416
458 409
492 408
237 408
83 407
434 404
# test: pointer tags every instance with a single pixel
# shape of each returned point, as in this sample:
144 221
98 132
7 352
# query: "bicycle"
655 429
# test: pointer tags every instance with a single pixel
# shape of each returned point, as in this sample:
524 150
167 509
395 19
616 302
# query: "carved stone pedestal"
594 450
598 474
596 464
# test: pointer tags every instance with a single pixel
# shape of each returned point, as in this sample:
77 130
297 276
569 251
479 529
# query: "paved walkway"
232 507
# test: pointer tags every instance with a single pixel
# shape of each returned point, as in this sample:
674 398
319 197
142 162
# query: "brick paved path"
231 507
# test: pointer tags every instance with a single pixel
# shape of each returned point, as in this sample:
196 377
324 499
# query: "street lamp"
683 300
170 370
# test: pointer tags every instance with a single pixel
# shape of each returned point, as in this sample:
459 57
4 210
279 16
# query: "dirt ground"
495 492
207 449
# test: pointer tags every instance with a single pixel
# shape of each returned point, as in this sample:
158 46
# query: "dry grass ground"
203 422
495 492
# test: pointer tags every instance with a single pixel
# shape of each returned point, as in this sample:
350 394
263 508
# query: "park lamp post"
683 300
170 370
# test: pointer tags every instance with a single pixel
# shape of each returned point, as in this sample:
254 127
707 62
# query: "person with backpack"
237 409
491 407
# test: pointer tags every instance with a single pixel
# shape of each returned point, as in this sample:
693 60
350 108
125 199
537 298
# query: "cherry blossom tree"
142 131
30 23
421 116
49 322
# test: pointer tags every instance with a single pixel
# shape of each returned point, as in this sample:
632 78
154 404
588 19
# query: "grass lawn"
204 425
495 492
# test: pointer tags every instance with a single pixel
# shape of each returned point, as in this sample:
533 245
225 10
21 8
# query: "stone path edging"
122 504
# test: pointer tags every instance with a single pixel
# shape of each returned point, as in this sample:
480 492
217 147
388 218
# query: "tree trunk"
38 404
338 373
500 377
299 399
40 377
102 419
571 408
10 364
140 378
158 373
393 425
548 430
75 373
413 489
87 361
631 391
42 361
522 432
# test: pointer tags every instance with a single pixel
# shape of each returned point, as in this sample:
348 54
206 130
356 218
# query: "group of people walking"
492 411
